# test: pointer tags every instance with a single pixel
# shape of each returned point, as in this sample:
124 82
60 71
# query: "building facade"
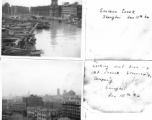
14 10
53 105
32 112
40 10
69 11
6 9
47 114
69 94
65 10
33 101
40 113
55 9
19 10
79 11
58 91
72 109
4 101
18 106
4 104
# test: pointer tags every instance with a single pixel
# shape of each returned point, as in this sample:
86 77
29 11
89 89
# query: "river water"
61 40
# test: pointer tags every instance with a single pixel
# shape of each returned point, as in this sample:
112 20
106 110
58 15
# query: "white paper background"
120 38
96 101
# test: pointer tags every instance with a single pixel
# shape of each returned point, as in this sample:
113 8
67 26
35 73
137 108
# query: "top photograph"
41 28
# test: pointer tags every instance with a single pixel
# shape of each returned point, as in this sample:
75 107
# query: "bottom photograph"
41 89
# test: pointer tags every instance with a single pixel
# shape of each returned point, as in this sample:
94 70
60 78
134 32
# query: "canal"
61 40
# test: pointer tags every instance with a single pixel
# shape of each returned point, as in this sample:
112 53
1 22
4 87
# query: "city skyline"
40 77
34 3
27 94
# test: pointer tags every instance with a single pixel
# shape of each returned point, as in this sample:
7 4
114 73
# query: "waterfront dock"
18 38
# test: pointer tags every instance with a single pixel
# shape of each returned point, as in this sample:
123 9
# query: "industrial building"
14 10
65 11
33 101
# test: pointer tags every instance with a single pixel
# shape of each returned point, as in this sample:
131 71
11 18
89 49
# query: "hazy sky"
29 3
40 77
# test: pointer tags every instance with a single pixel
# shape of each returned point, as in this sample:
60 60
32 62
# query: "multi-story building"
18 106
47 114
33 101
48 104
5 104
58 91
4 101
79 11
53 105
65 10
66 118
55 9
19 10
32 112
40 10
40 113
69 94
71 109
6 8
69 11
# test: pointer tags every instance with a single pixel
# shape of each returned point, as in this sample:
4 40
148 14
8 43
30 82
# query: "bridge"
32 16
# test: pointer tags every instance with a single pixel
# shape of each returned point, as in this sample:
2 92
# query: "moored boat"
36 53
46 26
40 26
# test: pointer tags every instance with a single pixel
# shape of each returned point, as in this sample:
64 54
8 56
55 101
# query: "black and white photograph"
41 90
76 59
45 28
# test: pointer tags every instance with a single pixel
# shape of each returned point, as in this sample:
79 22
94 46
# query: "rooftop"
64 118
46 109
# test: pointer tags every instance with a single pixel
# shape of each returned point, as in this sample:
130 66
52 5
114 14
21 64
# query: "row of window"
72 115
72 112
69 8
69 107
77 113
74 12
30 113
31 110
39 116
18 107
41 113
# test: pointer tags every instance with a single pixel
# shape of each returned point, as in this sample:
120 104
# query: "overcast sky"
29 3
40 77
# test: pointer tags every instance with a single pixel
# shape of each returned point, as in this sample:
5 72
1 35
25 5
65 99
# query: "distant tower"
54 2
10 95
58 91
28 93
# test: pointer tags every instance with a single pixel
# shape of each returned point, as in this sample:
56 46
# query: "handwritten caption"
130 14
123 80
